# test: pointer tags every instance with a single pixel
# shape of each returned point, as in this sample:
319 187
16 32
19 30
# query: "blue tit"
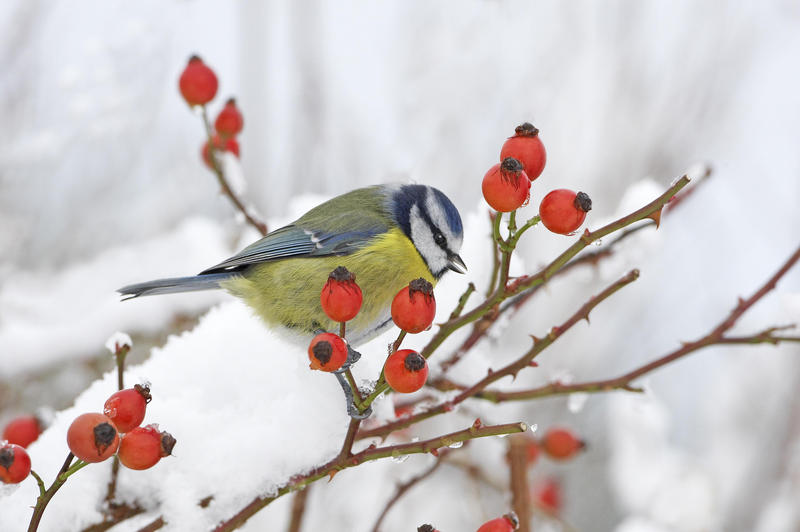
387 235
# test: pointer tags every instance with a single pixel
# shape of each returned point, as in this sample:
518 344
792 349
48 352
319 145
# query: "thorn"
656 216
587 318
478 423
586 236
533 364
332 474
434 452
536 339
739 301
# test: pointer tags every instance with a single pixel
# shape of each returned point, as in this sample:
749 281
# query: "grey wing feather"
294 241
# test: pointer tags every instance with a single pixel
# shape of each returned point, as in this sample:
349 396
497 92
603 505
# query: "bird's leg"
349 386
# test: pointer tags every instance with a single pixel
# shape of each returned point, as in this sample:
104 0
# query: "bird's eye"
439 239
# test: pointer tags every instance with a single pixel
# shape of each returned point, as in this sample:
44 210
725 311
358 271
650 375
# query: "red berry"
414 307
507 523
92 437
526 147
198 83
143 447
561 444
327 352
126 408
15 464
230 144
229 121
23 430
341 296
505 186
547 495
562 211
405 371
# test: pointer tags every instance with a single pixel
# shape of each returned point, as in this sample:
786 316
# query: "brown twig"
715 337
298 509
520 491
371 453
403 488
511 369
251 218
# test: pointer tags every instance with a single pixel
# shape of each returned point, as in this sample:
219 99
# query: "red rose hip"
230 144
229 121
126 408
143 447
414 307
405 371
561 444
508 523
547 495
563 211
198 83
505 186
341 297
327 352
92 437
22 430
526 147
15 464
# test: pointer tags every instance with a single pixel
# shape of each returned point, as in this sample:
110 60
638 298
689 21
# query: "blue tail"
206 281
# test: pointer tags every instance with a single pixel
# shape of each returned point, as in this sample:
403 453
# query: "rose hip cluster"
198 85
95 437
506 186
413 310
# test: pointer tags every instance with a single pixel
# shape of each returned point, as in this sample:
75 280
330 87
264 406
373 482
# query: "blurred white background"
99 160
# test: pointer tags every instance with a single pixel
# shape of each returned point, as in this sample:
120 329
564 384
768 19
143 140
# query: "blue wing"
294 241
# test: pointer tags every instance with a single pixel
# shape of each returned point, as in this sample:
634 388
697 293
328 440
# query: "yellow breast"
285 293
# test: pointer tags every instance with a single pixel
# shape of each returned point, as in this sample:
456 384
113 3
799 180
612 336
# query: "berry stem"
120 355
462 301
45 496
39 482
223 183
342 329
396 345
512 222
356 392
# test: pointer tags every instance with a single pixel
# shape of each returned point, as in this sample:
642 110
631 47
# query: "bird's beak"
456 264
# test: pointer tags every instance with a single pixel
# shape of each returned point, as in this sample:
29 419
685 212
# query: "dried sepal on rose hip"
327 352
229 144
22 430
405 371
15 463
92 437
506 186
126 408
198 83
563 211
561 443
341 297
526 147
414 307
507 523
143 447
229 121
426 528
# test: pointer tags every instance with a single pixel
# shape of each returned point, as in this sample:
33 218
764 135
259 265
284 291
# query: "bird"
386 235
